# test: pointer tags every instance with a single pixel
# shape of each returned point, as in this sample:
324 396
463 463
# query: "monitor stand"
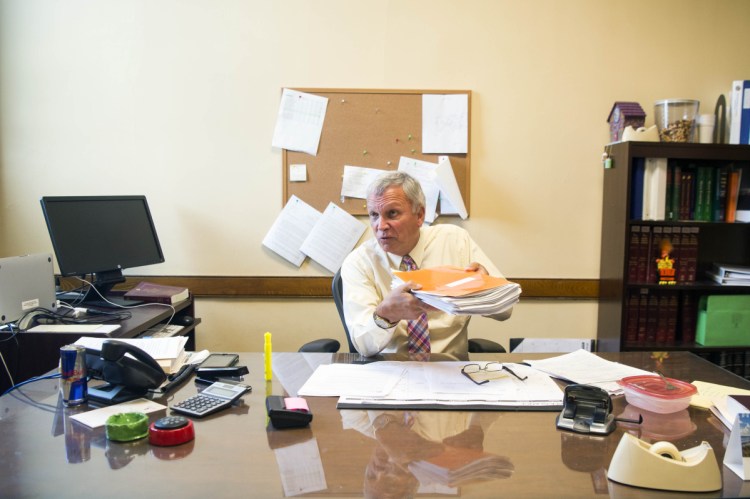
109 394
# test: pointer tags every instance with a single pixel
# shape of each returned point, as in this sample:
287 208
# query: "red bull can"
73 384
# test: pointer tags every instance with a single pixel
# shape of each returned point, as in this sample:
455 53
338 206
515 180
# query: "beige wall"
177 100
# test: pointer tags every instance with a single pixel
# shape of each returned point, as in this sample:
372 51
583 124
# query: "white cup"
706 123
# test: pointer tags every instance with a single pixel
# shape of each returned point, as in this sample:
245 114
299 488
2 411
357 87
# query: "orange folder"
451 281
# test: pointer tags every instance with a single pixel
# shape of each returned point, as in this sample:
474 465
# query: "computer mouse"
184 320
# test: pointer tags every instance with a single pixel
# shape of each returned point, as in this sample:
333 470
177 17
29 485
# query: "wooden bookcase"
717 242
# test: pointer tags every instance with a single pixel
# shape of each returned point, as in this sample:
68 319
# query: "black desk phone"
213 398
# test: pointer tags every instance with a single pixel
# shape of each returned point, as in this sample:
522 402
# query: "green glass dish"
126 426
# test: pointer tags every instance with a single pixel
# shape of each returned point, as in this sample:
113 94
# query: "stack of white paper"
490 302
456 291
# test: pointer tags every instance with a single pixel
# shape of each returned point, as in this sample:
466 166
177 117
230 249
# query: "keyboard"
163 331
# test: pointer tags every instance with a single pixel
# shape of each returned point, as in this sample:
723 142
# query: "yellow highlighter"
267 354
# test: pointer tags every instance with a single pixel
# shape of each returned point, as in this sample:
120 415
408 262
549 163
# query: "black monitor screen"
101 234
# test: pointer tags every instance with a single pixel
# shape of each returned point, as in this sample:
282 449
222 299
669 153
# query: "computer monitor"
101 235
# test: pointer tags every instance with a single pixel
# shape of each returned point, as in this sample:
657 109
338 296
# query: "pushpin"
364 153
413 151
409 136
388 163
343 100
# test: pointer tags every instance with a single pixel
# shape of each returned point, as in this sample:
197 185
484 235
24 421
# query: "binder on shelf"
730 275
739 111
655 189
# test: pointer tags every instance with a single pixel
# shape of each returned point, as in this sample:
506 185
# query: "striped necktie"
419 333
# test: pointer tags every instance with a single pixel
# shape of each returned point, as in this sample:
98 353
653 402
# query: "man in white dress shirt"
380 318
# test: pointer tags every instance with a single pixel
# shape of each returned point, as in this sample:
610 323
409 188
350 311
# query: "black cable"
96 317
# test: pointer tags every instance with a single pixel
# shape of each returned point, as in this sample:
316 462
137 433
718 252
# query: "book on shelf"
733 191
644 254
687 190
636 199
631 319
644 248
743 198
721 186
688 315
652 318
704 194
158 293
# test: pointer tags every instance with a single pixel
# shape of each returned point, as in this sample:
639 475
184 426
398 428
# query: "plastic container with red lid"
652 393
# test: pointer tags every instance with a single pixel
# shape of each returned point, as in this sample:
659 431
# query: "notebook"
26 282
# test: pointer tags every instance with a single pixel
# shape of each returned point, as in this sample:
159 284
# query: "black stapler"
587 409
290 412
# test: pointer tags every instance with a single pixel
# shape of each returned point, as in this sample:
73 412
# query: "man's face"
394 224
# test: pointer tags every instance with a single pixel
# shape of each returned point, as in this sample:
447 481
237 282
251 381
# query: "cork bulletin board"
367 128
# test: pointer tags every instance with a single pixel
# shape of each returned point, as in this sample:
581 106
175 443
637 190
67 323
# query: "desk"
33 354
45 454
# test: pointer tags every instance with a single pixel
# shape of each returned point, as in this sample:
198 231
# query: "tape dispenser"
587 409
662 466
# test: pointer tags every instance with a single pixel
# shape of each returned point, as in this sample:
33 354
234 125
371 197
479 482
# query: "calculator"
215 397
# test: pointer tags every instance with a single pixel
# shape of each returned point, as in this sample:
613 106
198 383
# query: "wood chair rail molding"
320 287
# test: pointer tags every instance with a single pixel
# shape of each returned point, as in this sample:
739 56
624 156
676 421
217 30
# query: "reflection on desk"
341 453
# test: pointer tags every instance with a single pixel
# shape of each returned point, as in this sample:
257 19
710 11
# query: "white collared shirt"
367 276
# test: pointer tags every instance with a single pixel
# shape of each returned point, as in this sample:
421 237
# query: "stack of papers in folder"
455 291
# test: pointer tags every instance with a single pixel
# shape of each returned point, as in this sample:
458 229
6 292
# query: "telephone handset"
142 371
128 370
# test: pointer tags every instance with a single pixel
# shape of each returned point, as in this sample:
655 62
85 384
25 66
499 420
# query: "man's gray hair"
409 184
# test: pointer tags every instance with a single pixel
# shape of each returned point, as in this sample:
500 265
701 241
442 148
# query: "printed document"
299 122
585 368
357 179
291 228
333 237
424 172
449 190
445 123
434 384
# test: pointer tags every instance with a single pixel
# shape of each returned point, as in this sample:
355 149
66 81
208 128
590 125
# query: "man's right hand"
400 304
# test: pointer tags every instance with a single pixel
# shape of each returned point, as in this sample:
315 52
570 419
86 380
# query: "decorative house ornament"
624 114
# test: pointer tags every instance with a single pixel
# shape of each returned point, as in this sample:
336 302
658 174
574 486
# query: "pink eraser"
296 404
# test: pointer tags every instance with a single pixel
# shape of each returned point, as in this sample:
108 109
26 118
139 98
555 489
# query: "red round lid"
656 386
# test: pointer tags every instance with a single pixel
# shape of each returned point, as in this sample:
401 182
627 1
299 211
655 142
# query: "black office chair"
325 345
476 345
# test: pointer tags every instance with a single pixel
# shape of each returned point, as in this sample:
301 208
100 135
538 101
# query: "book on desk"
157 293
